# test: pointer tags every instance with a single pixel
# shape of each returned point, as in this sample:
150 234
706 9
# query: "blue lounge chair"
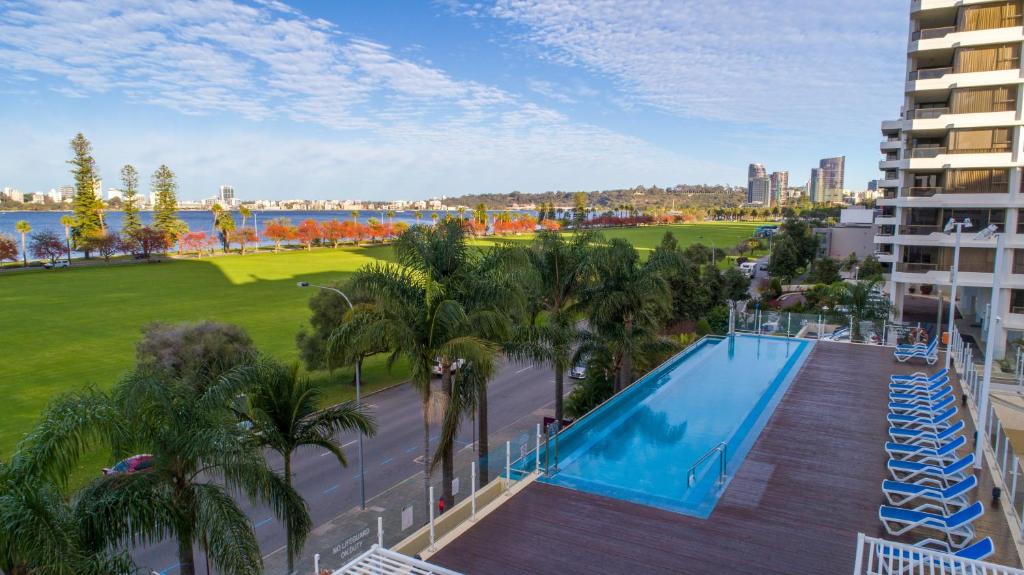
929 354
924 436
956 527
899 493
922 397
936 422
922 454
931 474
925 408
900 561
919 389
920 377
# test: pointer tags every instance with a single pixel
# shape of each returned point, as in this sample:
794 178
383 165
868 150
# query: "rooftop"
810 484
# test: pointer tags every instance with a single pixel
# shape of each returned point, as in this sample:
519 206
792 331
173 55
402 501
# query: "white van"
748 268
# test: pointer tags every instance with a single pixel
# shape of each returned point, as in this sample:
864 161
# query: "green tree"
165 208
860 304
24 228
284 411
785 260
224 221
68 222
560 268
824 271
870 268
691 296
86 204
627 307
736 285
579 211
43 533
200 457
417 316
130 221
194 352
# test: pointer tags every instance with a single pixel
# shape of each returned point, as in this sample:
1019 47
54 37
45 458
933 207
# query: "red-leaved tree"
308 232
334 231
193 242
278 231
105 243
8 249
47 245
242 237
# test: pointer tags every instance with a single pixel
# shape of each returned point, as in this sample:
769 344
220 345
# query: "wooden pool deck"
811 482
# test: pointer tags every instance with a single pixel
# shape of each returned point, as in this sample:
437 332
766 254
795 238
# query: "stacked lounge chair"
929 353
932 484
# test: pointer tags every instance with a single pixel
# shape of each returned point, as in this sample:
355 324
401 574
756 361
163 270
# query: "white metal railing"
380 561
881 557
1009 474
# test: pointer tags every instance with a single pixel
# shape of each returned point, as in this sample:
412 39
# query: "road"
515 395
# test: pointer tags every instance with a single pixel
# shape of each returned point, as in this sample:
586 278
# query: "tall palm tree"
68 222
23 228
391 216
42 532
857 297
245 213
417 315
418 215
626 308
285 415
433 217
200 457
355 216
560 268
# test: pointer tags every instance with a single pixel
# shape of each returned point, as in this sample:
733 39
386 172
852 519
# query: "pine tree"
86 205
165 206
129 191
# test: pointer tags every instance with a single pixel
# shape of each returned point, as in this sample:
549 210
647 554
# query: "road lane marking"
411 449
331 488
264 522
387 460
171 568
524 369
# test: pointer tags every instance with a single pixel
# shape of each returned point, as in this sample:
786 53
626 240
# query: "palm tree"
245 213
68 222
23 228
419 216
285 415
391 216
418 316
355 216
462 213
857 298
200 457
560 270
433 218
626 308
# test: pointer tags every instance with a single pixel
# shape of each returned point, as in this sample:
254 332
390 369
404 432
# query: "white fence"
881 557
380 561
1009 476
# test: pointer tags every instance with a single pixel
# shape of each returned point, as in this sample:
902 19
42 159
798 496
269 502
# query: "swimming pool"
640 445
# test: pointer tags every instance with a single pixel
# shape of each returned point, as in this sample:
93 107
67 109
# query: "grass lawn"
64 329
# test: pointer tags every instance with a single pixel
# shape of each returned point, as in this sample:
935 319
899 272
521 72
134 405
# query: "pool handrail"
722 450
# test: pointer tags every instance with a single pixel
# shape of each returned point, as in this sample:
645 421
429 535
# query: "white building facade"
956 152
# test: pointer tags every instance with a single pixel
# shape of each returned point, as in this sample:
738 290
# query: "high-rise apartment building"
67 193
826 183
754 172
759 191
955 152
226 195
779 182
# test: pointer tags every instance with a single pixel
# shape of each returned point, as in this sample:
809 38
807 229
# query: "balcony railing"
930 73
926 113
885 231
918 268
1001 148
919 229
922 192
930 152
930 33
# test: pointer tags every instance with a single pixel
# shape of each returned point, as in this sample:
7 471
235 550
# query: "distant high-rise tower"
832 172
226 194
754 171
779 181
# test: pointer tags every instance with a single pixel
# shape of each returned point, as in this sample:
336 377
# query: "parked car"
55 265
578 371
456 366
748 268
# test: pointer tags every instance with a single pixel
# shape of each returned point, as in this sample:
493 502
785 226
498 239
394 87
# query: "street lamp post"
712 249
359 368
993 318
959 226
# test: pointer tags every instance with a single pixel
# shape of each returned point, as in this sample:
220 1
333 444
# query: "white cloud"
785 63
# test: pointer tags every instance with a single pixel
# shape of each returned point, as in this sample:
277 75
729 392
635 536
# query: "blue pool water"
640 445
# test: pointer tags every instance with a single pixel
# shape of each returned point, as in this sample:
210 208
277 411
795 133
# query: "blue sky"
404 100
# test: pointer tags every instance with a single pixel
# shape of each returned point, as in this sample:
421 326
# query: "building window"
979 140
1017 301
986 99
988 16
987 58
984 181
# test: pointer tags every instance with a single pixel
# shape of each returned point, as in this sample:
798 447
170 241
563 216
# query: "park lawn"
64 329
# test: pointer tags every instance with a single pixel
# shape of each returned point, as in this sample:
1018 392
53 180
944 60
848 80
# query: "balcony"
966 266
930 73
926 113
930 152
930 33
922 192
919 229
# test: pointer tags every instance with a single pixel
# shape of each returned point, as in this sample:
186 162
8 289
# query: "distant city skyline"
358 100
